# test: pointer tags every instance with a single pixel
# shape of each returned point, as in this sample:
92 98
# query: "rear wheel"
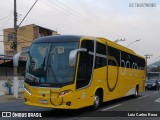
136 92
97 101
157 88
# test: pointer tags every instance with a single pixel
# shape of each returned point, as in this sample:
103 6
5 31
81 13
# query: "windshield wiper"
50 67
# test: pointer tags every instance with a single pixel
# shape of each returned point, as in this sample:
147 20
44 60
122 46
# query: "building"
153 75
25 36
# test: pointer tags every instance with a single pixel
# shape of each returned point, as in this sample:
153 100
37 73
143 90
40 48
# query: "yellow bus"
71 72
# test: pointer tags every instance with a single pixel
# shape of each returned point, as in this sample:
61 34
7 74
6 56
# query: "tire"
136 92
157 88
97 101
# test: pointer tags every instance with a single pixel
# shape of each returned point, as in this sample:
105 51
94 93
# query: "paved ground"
10 98
147 102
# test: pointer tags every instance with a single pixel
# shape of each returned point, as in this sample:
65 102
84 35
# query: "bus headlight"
61 94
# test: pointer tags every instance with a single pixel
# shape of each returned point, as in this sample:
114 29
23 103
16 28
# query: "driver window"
85 64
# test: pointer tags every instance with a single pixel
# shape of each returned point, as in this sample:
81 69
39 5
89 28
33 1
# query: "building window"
10 52
11 36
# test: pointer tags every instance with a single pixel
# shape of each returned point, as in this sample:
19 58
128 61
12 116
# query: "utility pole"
119 40
14 46
147 56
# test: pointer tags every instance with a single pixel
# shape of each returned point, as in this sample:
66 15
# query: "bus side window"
112 63
101 60
85 64
114 53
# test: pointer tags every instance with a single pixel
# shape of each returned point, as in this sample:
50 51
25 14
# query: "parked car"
152 84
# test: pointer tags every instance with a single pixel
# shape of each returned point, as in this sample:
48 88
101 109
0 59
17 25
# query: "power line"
83 22
86 18
154 60
27 13
65 9
5 17
14 44
1 29
6 10
79 16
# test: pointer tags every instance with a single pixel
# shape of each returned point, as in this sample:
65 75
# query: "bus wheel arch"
98 99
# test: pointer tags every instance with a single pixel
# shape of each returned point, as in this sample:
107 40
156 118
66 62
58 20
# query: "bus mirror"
16 58
73 56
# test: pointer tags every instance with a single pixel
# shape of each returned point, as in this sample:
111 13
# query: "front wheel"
97 101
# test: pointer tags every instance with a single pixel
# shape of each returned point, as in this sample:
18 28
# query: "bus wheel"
136 92
97 101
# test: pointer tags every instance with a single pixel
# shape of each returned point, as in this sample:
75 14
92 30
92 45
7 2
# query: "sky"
111 19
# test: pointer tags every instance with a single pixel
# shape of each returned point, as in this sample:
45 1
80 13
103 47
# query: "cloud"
112 19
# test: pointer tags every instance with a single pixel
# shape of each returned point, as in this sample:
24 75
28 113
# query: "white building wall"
4 89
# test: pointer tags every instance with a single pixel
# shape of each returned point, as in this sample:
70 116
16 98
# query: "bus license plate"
43 101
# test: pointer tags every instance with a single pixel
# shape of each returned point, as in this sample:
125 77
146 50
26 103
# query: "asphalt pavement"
147 102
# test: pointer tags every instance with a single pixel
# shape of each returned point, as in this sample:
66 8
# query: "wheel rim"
136 92
96 101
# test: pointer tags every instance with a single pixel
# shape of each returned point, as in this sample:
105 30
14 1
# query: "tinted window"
100 55
125 59
85 64
141 63
112 63
114 53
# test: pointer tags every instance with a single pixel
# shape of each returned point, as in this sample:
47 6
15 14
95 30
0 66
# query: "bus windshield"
48 64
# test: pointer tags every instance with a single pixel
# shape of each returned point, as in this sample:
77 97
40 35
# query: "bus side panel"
100 81
128 79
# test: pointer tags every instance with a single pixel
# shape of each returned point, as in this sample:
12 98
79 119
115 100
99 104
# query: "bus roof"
76 38
120 47
58 38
